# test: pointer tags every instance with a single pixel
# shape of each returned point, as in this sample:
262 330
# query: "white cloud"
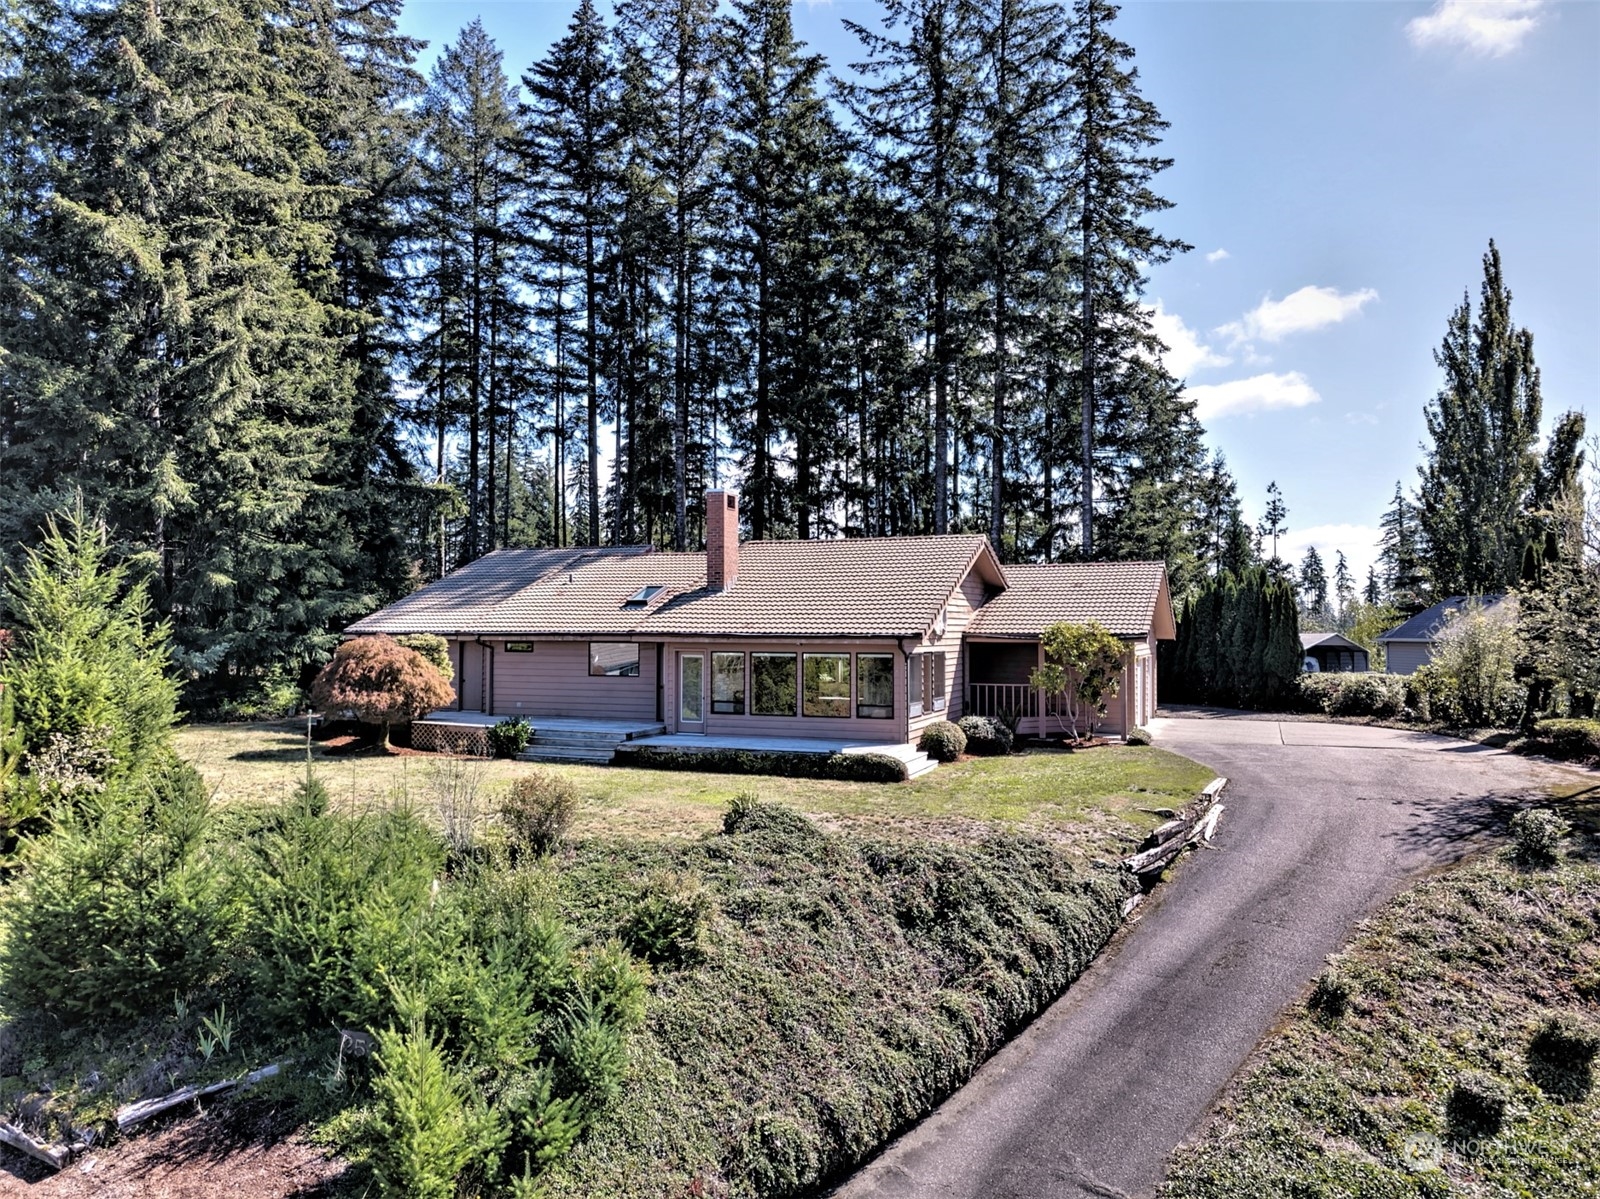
1259 393
1185 352
1301 311
1359 543
1217 255
1489 27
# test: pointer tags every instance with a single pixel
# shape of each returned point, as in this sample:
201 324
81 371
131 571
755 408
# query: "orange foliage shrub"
381 682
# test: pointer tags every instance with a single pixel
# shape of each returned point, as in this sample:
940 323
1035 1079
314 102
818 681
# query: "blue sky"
1340 169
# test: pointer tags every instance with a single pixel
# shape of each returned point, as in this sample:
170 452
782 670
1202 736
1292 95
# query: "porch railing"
1002 699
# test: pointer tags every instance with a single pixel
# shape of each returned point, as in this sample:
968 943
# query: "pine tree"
1272 525
1344 585
1110 171
1483 425
1314 582
470 135
1400 555
917 119
1372 593
572 147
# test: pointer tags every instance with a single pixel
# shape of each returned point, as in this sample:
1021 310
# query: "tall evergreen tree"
572 147
1314 582
1483 426
1272 524
917 117
1344 584
1111 171
1400 555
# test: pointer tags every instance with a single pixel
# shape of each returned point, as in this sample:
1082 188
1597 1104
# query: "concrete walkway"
1324 822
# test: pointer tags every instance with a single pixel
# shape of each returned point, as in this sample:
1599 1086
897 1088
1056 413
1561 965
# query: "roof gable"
1328 640
1129 599
1426 625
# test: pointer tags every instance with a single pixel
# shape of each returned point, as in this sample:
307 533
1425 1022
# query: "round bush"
1538 833
943 741
1137 736
1561 1057
1477 1104
539 811
510 737
1332 993
985 736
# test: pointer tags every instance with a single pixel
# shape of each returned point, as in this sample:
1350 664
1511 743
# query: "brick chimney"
722 539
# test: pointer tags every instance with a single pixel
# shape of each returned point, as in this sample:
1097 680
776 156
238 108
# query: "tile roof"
1425 625
880 586
1121 596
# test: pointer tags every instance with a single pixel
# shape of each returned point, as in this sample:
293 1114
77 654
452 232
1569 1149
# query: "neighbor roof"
855 587
1128 599
1314 640
1425 625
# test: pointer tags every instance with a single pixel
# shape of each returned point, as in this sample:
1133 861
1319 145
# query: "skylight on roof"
644 595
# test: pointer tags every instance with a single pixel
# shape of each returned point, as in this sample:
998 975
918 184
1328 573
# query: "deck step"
918 765
578 740
567 753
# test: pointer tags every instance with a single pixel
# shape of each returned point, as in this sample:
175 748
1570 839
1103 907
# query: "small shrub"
986 736
1477 1104
432 647
1137 736
762 817
123 905
1570 740
1538 833
455 787
1561 1057
510 737
942 741
668 923
1338 693
739 809
538 811
1331 994
426 1129
845 768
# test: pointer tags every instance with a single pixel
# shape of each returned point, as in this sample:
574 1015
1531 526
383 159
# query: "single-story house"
1410 645
858 640
1332 652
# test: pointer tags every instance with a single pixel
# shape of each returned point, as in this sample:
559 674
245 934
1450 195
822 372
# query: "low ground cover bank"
1449 1050
841 987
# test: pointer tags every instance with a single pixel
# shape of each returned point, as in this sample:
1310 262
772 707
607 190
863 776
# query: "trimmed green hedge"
1353 694
845 768
1570 740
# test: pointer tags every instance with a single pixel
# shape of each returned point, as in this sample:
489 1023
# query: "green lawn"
1083 798
1455 975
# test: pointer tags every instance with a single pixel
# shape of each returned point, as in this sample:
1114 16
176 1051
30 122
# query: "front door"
691 693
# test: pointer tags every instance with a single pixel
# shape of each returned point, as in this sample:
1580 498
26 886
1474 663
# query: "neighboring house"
851 640
1333 652
1410 645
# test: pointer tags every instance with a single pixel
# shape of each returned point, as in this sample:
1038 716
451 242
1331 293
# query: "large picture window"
772 685
827 678
875 686
727 684
615 659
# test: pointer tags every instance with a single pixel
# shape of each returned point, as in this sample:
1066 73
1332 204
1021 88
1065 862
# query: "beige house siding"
554 680
1404 657
963 602
852 727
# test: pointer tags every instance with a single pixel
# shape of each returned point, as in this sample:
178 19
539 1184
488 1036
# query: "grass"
1453 978
1089 798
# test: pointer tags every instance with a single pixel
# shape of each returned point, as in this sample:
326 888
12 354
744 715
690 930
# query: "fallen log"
1163 845
135 1113
52 1155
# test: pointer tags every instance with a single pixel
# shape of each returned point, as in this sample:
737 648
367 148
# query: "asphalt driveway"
1323 823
